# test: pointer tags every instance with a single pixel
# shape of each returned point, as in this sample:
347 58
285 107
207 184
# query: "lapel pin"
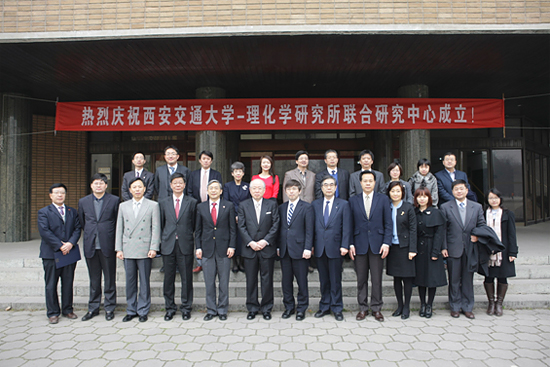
427 212
402 213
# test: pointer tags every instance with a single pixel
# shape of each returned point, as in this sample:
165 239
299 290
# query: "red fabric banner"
280 114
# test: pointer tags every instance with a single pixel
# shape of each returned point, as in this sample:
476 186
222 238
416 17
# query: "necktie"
257 207
214 213
463 212
336 178
204 186
61 211
136 209
177 208
367 206
172 170
137 173
326 213
304 177
290 211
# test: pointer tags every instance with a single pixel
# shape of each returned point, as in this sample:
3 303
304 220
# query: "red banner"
280 114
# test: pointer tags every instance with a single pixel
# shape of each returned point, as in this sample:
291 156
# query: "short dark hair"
493 191
237 165
392 185
423 191
139 152
459 181
178 175
423 161
330 151
301 152
99 176
56 185
328 177
134 179
367 173
171 147
366 151
206 153
292 183
392 166
449 153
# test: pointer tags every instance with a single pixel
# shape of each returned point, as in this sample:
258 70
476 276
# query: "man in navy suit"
163 173
295 246
340 175
372 233
148 178
332 239
59 228
98 213
447 176
258 222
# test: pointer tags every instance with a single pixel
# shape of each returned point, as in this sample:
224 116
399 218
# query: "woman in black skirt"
400 263
430 270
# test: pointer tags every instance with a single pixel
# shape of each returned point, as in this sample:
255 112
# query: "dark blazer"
183 226
457 235
297 236
148 179
374 232
337 232
355 182
162 180
236 194
53 230
488 243
194 182
343 183
217 238
406 226
509 240
445 185
104 227
267 229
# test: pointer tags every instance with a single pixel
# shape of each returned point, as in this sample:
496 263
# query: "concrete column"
383 154
15 169
413 144
214 141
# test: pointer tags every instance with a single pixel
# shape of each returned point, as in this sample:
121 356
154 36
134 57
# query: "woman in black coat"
430 269
501 265
401 263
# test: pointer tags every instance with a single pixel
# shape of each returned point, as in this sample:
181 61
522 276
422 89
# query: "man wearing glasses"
163 173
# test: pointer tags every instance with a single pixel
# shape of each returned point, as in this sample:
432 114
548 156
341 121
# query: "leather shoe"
90 315
339 316
198 269
128 318
208 317
300 316
455 314
109 315
361 315
378 316
251 315
143 318
422 312
53 320
186 316
222 317
287 314
320 313
397 312
428 311
406 313
469 314
71 316
267 315
169 315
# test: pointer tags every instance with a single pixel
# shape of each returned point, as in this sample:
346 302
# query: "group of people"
420 227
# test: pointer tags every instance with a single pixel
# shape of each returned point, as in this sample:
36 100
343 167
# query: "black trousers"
375 264
97 265
251 268
291 268
51 278
330 278
184 263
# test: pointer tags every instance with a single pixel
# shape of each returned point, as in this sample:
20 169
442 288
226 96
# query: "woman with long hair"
267 175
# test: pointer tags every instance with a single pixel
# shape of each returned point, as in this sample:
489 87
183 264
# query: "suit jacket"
148 179
183 226
445 185
343 183
457 235
488 243
194 182
215 239
308 192
406 226
53 230
355 182
374 231
104 227
136 236
251 230
337 232
297 236
162 180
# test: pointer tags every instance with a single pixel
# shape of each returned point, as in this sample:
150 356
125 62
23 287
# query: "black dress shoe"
397 312
300 316
406 313
251 315
109 315
143 318
90 315
235 269
169 315
320 313
339 316
429 311
422 312
208 317
222 317
287 314
267 315
186 316
128 318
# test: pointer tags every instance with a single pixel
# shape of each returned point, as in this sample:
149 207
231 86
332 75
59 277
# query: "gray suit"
457 243
355 183
135 237
308 191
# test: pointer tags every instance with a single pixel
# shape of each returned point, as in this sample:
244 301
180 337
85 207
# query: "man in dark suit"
258 222
366 160
372 234
340 175
59 228
163 173
304 176
98 213
216 240
461 216
447 176
332 239
177 223
138 159
294 247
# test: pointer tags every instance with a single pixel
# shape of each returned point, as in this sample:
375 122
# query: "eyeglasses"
328 185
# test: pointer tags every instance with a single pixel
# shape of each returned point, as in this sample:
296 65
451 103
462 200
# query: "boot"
501 292
490 290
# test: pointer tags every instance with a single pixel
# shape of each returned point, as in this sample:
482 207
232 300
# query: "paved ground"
520 338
